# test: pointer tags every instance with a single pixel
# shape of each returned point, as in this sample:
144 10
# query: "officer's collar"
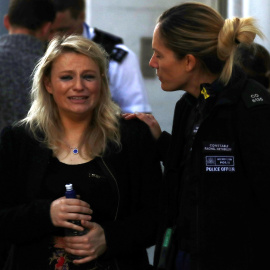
207 90
211 90
88 32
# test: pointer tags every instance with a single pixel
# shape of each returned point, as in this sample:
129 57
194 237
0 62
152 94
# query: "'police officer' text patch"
219 164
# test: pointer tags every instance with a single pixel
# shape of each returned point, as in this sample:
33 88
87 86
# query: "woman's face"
75 83
170 70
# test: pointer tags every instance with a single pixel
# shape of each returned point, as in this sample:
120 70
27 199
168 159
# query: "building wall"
130 19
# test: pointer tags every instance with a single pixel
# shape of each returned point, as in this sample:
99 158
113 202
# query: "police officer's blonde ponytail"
234 32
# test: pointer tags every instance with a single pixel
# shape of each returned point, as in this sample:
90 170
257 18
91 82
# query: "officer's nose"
152 62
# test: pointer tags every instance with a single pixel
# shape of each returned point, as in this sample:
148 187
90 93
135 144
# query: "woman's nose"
78 85
153 63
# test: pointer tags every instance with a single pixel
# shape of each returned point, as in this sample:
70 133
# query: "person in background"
73 133
216 194
28 24
125 78
255 61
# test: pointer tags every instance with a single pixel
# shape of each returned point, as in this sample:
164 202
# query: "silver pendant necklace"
75 150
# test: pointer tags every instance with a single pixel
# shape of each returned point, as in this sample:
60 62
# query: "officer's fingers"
129 116
145 117
152 123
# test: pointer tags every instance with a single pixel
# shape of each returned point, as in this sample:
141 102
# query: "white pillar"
88 11
235 8
259 9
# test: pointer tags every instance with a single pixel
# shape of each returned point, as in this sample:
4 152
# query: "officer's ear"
43 32
81 16
190 62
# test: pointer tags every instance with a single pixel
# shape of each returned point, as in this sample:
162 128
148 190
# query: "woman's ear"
191 62
47 84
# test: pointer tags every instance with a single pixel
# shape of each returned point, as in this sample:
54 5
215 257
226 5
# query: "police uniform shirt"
125 79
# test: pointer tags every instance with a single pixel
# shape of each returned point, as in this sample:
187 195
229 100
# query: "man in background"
28 23
125 78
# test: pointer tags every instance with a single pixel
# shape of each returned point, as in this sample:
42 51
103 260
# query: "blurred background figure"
255 61
28 23
125 78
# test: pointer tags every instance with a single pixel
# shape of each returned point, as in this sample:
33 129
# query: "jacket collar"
231 93
226 94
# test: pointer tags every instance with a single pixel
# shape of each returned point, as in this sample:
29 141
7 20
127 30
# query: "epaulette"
118 54
108 42
255 94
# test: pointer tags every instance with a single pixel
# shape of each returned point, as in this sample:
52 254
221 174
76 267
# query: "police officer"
125 78
215 205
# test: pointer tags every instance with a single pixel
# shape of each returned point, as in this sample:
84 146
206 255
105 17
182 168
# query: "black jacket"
221 212
25 218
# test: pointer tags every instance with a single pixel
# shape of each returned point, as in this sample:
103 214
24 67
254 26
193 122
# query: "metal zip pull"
94 175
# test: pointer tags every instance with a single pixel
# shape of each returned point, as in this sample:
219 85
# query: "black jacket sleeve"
22 219
254 131
138 170
163 144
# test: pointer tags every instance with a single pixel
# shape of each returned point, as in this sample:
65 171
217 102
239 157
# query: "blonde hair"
197 29
43 115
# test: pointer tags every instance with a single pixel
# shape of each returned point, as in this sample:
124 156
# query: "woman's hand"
90 246
147 118
63 209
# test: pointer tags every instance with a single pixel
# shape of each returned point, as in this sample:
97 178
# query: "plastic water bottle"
71 194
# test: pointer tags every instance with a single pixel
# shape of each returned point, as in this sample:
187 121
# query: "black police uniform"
108 42
217 181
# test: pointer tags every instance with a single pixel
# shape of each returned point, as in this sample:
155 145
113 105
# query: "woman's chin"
167 88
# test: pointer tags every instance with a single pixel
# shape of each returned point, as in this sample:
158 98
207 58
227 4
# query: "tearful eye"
66 78
89 77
